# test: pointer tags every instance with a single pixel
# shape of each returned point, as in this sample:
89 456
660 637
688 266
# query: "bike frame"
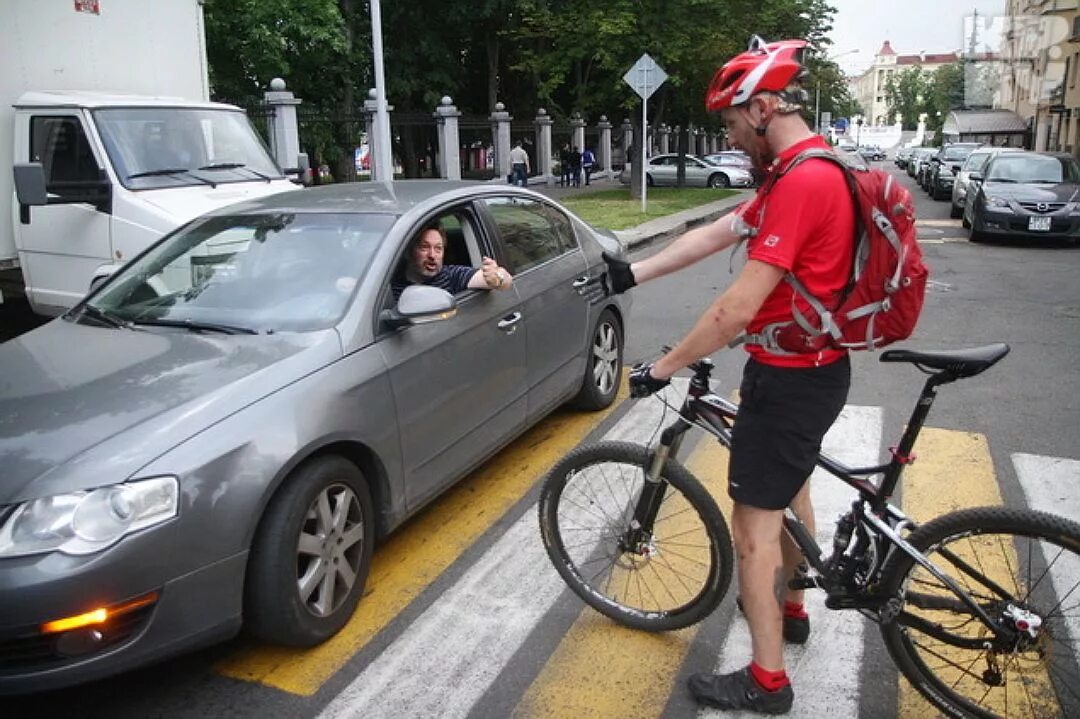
702 408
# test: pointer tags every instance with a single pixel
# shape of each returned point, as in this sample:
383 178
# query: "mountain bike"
979 608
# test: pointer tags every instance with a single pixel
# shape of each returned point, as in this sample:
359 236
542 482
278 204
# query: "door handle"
508 324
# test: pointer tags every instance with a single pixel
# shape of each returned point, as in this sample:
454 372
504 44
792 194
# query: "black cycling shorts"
784 413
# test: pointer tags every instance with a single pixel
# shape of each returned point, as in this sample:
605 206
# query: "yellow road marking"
638 667
955 470
417 553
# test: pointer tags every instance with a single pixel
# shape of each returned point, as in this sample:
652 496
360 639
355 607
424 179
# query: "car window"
1030 168
61 146
976 161
267 272
532 232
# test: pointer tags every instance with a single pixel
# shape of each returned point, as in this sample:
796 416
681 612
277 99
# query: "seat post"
901 454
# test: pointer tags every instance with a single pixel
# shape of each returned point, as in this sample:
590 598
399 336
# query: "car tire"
956 212
274 609
719 180
603 367
648 180
973 234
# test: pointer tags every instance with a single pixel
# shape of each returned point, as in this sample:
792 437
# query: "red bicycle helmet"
764 67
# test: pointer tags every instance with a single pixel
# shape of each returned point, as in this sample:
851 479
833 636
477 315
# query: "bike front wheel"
666 576
1022 568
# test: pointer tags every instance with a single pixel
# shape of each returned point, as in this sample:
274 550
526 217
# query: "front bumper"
192 610
991 221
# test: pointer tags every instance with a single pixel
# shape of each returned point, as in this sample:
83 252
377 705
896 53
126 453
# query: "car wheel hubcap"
605 358
329 550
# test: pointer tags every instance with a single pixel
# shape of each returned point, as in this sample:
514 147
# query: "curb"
669 226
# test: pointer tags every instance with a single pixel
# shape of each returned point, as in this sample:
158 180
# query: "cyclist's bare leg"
804 510
757 543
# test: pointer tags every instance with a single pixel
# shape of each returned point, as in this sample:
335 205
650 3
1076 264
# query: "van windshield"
156 147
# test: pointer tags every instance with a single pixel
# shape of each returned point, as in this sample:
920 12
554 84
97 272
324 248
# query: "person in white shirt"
519 165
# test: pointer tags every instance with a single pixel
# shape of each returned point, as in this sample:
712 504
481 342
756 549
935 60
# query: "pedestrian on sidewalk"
519 165
564 165
575 166
588 162
788 401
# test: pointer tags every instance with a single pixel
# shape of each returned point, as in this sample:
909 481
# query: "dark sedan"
219 434
1026 195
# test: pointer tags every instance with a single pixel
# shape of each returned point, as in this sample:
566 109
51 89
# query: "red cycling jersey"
805 225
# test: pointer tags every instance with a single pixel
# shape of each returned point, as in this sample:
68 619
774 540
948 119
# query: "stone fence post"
284 130
500 131
543 124
446 115
371 106
603 153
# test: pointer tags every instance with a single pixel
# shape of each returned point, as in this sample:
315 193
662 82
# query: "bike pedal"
800 583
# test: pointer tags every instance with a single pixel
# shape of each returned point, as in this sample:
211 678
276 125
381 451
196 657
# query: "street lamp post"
817 97
858 131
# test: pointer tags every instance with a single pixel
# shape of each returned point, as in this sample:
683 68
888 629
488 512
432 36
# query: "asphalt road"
1024 295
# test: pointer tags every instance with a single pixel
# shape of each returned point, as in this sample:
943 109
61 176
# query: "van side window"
532 232
62 148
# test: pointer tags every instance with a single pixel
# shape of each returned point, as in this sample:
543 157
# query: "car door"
541 250
61 245
459 384
662 169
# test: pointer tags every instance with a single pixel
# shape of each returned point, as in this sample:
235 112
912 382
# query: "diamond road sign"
645 76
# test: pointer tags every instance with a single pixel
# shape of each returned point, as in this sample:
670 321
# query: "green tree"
906 95
946 93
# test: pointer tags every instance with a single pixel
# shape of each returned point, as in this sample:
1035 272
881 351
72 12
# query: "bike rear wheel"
668 577
950 655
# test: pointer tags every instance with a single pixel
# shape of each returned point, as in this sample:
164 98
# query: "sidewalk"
662 228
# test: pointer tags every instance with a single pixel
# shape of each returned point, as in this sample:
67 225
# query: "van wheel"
603 368
311 555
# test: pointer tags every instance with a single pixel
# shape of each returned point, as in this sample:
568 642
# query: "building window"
1075 62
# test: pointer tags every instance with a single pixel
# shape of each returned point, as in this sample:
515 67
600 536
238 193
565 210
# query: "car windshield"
249 273
956 154
976 161
153 147
1036 169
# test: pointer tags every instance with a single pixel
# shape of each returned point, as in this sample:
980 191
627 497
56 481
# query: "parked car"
917 156
1030 195
871 153
975 162
663 170
921 161
944 166
220 433
902 156
730 158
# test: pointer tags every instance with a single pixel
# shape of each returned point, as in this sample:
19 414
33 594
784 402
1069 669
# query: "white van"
119 169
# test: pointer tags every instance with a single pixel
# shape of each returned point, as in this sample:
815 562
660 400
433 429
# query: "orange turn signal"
97 616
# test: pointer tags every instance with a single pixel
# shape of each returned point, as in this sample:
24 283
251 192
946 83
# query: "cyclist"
801 222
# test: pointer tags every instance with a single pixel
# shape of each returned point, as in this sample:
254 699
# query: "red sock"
769 681
791 609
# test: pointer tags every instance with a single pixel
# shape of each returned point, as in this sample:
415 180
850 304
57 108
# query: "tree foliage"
567 56
915 92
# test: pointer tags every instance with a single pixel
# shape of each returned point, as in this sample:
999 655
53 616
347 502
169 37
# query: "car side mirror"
975 177
419 304
30 184
956 168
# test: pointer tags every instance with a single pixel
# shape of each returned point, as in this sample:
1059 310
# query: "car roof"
394 198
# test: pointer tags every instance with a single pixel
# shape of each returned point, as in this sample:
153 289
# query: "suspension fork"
652 493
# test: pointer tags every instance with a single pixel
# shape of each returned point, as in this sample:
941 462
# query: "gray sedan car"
218 436
663 170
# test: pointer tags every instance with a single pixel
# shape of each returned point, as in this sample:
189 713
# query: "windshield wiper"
104 317
198 326
166 171
1001 179
235 166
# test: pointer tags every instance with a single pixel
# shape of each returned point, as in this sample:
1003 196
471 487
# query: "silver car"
975 162
663 170
219 435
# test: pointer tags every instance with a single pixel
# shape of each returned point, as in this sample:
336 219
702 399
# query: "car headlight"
90 521
998 203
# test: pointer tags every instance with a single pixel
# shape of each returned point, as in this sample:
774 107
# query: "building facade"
870 88
1040 62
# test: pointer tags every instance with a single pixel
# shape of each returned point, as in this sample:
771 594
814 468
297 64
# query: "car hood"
1063 192
79 418
181 204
